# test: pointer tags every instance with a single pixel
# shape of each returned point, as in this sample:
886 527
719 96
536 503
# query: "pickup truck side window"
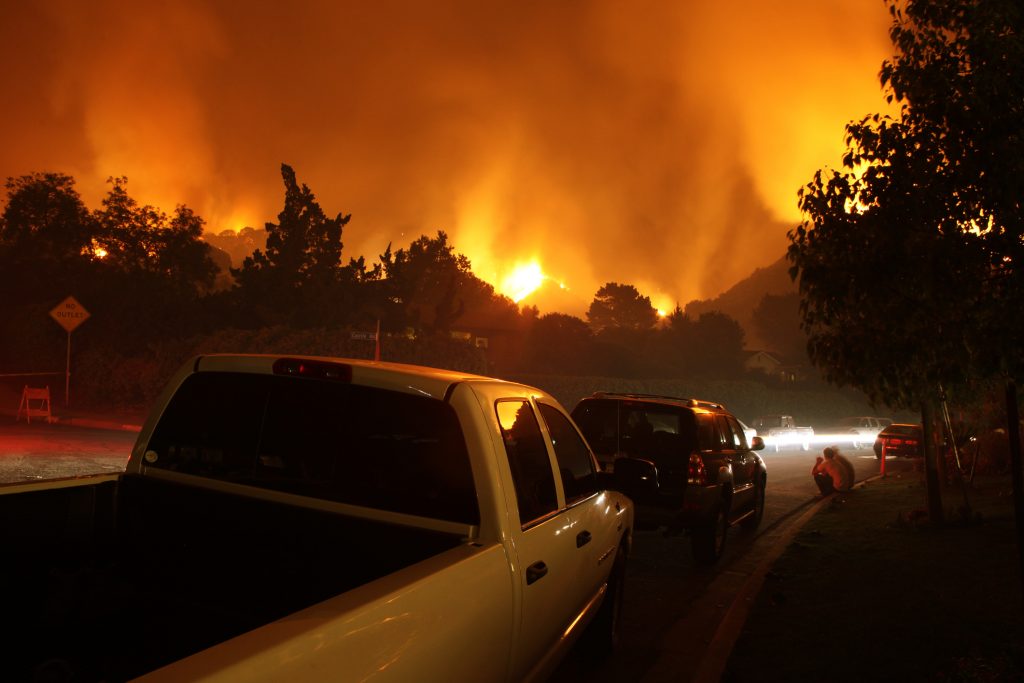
330 440
528 460
576 465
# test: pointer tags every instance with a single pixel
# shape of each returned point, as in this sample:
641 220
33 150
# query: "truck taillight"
315 369
695 473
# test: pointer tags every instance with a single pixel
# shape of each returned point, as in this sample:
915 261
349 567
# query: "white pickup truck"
311 519
781 431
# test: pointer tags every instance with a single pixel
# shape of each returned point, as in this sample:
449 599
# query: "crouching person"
832 472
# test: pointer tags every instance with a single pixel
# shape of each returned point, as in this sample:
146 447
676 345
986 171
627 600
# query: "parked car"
781 430
899 440
700 475
863 430
313 519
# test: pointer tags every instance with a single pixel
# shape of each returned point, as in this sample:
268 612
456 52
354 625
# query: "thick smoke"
654 143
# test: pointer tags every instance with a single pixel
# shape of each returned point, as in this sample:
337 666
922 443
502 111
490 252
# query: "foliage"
430 286
558 343
917 242
44 220
960 70
299 276
619 306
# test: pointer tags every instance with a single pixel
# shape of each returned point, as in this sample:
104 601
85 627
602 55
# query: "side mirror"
758 444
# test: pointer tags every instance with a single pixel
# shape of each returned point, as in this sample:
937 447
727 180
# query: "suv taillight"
695 473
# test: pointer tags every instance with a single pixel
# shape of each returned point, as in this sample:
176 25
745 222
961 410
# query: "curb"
98 424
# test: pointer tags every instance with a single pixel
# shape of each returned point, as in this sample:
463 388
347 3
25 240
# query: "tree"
559 344
427 283
141 241
45 220
300 271
618 306
46 235
710 345
128 231
910 258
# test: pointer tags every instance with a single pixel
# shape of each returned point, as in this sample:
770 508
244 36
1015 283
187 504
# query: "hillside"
740 300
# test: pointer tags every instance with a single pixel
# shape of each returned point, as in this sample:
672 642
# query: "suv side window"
574 460
528 459
707 435
738 437
726 438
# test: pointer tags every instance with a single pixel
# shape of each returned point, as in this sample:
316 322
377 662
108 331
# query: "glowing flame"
522 281
662 313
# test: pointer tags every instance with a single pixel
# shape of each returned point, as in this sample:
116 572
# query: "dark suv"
700 474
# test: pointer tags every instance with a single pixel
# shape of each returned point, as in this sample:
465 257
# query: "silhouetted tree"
299 273
426 283
559 344
45 221
46 236
621 307
708 346
907 269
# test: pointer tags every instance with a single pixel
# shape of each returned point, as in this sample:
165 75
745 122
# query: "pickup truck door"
544 540
597 522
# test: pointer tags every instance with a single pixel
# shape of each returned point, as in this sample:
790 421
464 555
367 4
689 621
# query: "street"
39 451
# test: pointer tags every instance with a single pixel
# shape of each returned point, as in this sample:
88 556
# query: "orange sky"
654 143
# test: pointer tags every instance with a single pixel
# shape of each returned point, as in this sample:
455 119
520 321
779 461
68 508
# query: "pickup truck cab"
695 469
310 519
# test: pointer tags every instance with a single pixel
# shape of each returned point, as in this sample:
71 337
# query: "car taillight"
695 473
298 367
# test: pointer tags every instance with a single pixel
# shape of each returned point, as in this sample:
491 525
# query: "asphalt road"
39 451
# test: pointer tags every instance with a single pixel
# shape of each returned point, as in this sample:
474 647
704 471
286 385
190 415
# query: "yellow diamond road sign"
69 314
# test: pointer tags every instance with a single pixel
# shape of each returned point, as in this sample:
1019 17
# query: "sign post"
69 314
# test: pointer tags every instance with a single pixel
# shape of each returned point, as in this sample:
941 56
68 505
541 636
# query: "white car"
863 430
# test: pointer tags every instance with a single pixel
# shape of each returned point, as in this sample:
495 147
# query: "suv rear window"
320 438
644 429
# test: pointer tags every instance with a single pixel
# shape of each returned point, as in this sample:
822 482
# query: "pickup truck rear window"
340 442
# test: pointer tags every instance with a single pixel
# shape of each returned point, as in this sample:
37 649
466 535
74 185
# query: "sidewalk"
868 590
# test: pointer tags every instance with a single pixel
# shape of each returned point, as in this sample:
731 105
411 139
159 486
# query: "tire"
708 540
753 521
602 636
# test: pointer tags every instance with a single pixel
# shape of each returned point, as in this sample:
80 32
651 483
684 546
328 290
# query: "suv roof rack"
691 402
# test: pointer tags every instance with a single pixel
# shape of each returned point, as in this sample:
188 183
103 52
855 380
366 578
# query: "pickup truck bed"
140 573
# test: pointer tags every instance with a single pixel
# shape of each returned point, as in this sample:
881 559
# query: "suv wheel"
708 539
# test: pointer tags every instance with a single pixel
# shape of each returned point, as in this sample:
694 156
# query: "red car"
900 440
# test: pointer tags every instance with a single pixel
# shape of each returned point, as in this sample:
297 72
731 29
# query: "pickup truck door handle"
582 538
535 571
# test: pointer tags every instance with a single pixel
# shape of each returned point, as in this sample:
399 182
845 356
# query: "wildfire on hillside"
658 144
